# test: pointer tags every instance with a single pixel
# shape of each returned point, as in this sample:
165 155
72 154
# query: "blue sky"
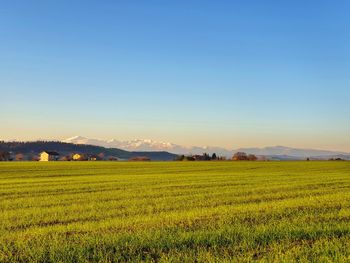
226 73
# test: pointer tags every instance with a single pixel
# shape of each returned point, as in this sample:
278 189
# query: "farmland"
174 211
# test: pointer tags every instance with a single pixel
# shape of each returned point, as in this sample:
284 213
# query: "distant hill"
292 152
34 148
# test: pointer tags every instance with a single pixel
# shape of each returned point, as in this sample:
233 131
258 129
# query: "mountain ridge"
152 145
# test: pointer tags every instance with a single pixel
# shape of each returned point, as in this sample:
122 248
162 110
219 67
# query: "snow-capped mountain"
131 145
148 145
151 145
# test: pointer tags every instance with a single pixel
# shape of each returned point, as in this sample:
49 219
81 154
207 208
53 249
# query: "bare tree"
252 157
240 156
19 157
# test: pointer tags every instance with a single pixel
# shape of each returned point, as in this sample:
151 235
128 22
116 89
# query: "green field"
175 211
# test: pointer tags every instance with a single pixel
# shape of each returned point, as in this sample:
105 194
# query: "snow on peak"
75 138
152 145
148 145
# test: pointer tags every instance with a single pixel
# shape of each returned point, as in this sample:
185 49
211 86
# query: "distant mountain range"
284 153
274 152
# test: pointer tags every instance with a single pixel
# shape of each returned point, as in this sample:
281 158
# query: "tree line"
239 156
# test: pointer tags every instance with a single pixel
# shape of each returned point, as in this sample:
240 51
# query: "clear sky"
225 73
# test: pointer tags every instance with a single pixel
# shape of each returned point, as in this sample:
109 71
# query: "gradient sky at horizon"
225 73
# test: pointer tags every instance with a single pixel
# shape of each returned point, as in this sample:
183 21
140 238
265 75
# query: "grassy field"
175 211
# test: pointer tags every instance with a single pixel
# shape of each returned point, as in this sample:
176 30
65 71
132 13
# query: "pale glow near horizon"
233 75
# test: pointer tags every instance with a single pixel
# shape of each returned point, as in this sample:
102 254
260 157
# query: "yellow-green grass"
174 211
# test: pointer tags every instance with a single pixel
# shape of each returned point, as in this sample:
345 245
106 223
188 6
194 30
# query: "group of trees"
5 156
203 157
239 156
19 156
242 156
83 157
336 159
9 156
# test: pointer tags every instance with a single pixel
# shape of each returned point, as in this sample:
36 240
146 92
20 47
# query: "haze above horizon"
242 74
